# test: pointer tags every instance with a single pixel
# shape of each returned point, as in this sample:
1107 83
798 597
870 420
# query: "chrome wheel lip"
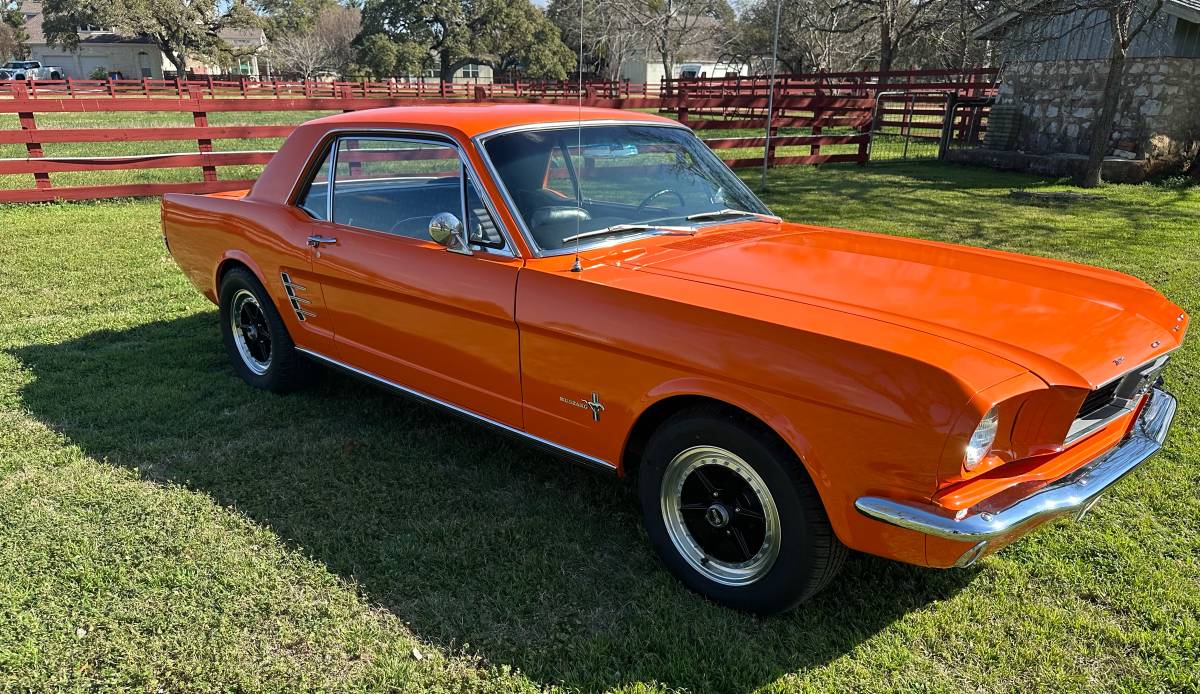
241 299
670 500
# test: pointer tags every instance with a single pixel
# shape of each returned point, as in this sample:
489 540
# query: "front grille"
1115 398
1101 397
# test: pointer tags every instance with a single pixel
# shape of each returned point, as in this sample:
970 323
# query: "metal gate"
908 126
916 126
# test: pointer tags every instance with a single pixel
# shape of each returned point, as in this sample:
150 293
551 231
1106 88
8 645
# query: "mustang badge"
594 405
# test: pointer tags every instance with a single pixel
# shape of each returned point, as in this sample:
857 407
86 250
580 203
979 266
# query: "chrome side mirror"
445 229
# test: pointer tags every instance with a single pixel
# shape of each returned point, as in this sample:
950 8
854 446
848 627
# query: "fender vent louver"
298 302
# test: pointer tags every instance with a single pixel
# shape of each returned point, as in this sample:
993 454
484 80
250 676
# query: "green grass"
165 527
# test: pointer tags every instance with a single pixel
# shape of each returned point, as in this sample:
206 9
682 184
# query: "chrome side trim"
1009 512
573 455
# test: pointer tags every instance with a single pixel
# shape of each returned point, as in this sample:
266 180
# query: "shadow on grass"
476 541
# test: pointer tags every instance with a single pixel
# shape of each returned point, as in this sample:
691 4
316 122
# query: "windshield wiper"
730 212
620 228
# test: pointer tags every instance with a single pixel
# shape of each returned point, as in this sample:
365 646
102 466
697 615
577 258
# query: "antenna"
577 266
771 96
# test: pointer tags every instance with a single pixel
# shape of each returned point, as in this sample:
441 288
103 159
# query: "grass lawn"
165 527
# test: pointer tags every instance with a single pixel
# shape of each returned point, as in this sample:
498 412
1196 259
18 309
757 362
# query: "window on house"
470 72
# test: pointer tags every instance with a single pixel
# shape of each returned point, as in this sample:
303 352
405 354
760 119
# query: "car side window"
395 186
315 198
481 227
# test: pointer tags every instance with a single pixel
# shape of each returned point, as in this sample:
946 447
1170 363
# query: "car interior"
402 206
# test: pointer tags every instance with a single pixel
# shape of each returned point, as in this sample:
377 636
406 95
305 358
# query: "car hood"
1069 324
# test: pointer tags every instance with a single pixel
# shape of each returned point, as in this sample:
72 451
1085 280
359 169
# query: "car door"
404 308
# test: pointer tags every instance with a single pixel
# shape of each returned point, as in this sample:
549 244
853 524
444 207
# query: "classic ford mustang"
599 283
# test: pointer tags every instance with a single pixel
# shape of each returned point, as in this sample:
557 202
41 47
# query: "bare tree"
950 43
813 35
1055 20
897 23
675 27
302 54
326 47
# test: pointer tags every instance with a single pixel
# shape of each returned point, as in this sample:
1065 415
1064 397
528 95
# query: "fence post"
681 108
947 124
41 179
200 120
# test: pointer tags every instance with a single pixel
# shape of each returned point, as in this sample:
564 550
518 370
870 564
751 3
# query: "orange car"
599 283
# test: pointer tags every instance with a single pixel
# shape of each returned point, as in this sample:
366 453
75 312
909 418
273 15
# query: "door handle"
318 241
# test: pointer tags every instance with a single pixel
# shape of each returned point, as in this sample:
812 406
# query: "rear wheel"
256 339
733 514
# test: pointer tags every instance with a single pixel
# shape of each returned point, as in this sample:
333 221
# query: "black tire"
285 369
809 555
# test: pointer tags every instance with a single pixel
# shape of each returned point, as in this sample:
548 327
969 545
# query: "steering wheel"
651 197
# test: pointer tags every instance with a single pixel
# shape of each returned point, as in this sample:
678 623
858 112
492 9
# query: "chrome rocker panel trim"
569 453
1073 493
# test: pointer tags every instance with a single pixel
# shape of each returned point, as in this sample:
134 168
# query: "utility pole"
771 95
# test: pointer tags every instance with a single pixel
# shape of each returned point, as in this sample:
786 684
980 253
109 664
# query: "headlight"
981 441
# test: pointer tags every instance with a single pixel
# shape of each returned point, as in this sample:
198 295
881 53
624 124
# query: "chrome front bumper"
1007 513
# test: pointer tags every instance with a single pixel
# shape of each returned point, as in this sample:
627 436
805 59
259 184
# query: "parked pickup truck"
31 70
600 284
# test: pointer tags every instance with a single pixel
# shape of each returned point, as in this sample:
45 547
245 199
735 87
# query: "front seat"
552 223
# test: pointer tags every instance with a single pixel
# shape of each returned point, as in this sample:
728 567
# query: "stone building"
1053 76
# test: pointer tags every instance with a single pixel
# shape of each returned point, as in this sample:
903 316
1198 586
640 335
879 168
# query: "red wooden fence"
807 112
817 102
973 82
851 115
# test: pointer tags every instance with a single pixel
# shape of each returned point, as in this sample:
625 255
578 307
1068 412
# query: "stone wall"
1159 116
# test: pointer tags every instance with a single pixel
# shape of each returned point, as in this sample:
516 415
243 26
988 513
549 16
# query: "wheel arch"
231 259
751 410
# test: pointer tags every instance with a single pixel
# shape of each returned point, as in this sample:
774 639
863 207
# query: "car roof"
474 119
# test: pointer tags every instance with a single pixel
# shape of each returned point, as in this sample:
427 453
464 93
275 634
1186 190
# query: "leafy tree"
290 18
179 29
12 30
501 33
378 54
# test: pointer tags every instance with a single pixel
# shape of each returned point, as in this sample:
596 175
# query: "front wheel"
732 513
256 339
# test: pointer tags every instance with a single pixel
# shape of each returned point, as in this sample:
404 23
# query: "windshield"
604 182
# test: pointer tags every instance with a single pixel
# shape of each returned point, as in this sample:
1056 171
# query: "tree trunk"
178 60
885 45
1102 128
446 68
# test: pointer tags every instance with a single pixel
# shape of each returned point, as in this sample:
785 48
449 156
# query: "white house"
132 57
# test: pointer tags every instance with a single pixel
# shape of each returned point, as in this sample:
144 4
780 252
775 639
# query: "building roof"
1188 10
